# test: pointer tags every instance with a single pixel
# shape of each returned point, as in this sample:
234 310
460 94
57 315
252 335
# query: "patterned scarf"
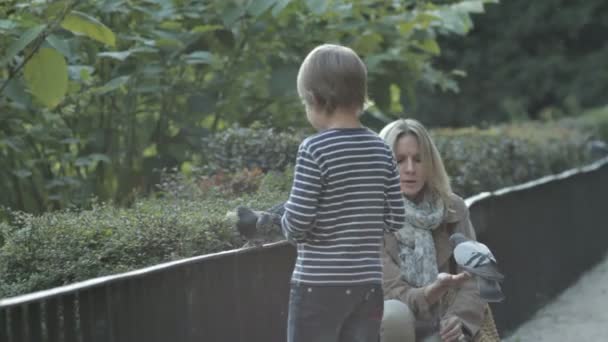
415 239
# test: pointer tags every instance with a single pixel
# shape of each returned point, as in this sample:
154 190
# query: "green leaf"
60 45
17 46
150 151
80 72
15 91
122 55
317 7
55 9
82 24
119 55
112 84
7 25
231 14
22 173
258 7
469 6
279 6
46 74
200 57
455 21
206 28
431 46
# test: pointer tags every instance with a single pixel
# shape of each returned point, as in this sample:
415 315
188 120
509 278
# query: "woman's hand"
445 281
452 280
451 329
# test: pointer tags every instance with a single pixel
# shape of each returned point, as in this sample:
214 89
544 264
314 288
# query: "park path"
579 314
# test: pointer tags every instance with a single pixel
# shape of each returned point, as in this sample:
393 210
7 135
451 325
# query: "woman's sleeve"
467 305
396 288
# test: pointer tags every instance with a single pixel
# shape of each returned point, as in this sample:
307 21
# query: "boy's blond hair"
331 77
437 180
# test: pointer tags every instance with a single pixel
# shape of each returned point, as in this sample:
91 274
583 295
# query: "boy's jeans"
335 313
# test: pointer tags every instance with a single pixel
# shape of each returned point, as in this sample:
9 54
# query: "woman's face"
411 170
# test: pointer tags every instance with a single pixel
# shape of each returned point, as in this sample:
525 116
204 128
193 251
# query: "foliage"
187 216
539 59
484 160
130 87
237 147
477 159
62 247
594 121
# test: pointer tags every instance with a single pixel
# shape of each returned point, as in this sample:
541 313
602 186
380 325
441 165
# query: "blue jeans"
335 313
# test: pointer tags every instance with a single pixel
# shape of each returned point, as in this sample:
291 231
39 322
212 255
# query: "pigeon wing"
487 271
474 260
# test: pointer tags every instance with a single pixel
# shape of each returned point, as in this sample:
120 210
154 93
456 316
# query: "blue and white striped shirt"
345 193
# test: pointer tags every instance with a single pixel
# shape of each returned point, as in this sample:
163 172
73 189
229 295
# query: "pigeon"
477 259
259 227
598 148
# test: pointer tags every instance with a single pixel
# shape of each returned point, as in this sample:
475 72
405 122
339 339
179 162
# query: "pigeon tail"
489 290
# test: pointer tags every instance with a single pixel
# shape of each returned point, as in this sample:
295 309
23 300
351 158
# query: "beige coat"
466 303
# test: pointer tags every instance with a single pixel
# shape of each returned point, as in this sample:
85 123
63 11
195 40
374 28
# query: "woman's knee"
398 322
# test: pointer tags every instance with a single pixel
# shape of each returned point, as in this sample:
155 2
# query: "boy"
345 193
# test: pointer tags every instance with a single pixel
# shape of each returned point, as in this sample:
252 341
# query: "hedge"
187 215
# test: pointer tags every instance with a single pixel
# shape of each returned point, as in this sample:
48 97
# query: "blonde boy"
345 193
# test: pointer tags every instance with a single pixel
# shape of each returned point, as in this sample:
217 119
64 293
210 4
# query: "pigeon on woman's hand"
477 259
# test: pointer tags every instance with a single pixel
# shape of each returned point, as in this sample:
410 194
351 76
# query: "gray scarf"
415 239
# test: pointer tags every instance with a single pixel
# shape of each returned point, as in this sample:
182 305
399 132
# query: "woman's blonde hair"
437 180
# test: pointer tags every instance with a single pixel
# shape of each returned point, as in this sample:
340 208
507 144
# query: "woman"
424 293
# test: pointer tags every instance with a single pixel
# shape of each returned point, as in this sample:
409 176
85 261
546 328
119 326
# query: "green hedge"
187 216
52 249
482 160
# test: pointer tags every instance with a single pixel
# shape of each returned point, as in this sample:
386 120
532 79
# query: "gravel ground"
579 314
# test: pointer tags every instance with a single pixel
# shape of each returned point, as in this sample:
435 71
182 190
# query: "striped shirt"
345 193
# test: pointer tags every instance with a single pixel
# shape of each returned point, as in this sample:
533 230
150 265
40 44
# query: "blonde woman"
426 298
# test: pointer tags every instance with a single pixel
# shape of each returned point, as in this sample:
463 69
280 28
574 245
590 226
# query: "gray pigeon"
259 227
477 259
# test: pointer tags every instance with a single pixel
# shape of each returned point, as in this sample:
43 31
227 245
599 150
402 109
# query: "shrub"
239 148
187 216
593 121
485 160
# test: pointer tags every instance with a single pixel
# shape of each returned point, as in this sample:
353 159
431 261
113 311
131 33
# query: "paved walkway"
579 314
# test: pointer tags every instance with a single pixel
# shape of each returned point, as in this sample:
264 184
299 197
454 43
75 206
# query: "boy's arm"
394 215
301 207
